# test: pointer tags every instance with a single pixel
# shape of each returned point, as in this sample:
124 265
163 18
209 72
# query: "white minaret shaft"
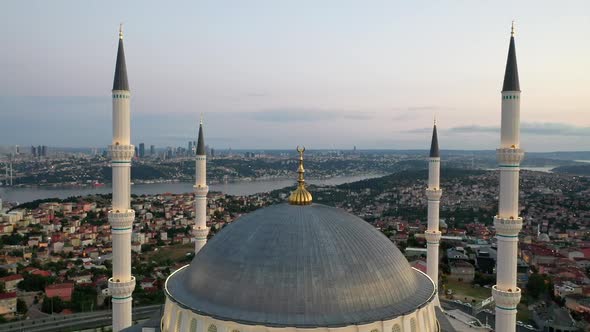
507 223
433 194
201 189
121 216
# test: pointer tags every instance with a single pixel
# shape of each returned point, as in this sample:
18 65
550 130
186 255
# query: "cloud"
551 128
473 129
257 94
409 112
532 128
303 115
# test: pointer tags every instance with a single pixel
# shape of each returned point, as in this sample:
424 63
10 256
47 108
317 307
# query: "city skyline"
370 76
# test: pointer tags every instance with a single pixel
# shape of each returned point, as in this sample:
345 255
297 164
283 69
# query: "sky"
277 74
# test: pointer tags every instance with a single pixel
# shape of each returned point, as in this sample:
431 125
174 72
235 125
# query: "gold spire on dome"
300 196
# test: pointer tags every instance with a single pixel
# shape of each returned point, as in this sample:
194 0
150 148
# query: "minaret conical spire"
434 152
120 82
511 82
201 141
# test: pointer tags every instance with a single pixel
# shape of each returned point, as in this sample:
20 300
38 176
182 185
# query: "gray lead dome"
300 266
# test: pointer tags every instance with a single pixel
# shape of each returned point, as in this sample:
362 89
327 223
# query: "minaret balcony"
508 227
433 194
121 290
510 156
121 220
432 236
121 152
200 190
201 233
506 299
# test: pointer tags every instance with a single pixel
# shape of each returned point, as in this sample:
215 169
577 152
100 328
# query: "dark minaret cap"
511 82
120 82
201 141
434 153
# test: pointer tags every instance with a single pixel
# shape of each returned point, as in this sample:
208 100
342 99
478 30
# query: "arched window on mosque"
413 325
212 328
178 321
193 327
396 328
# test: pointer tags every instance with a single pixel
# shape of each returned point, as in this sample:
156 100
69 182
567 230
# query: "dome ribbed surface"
300 266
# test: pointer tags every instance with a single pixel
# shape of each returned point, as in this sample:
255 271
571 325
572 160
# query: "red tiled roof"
60 286
4 296
11 278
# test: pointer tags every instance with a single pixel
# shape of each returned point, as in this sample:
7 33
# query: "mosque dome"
543 237
300 266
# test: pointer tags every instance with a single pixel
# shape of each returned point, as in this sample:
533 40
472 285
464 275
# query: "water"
23 195
544 169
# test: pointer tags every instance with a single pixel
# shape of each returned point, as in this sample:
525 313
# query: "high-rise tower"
121 216
508 224
433 194
201 189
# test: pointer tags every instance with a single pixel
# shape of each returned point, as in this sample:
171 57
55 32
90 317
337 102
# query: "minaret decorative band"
200 229
121 216
507 222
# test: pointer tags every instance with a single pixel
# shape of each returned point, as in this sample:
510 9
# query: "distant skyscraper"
190 148
17 149
141 150
33 151
152 150
43 151
212 152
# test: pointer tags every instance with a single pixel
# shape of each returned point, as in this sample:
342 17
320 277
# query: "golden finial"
512 29
201 120
300 196
120 30
435 119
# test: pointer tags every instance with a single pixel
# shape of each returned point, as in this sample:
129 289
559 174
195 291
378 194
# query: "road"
63 323
482 316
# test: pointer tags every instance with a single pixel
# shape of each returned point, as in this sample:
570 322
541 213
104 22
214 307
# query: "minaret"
201 189
121 216
508 224
433 194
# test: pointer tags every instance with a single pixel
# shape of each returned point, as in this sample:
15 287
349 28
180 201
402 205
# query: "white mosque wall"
178 319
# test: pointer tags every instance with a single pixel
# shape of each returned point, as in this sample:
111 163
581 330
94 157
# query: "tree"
52 304
536 285
33 282
83 298
21 307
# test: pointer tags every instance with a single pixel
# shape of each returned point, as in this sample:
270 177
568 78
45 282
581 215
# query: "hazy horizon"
327 75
